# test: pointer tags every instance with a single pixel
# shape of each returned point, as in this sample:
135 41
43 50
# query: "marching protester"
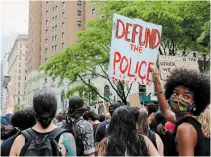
141 118
204 119
82 129
21 120
122 138
188 94
44 138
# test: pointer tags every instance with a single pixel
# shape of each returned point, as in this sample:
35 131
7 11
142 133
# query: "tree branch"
129 90
91 87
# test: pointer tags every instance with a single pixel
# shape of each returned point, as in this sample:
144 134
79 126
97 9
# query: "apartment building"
17 67
52 27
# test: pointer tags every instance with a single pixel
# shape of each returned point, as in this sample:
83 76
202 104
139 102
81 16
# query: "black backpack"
72 128
42 146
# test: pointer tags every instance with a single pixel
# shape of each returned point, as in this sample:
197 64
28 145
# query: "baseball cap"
76 102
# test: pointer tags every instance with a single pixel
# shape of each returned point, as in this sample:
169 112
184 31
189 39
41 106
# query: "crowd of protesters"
178 125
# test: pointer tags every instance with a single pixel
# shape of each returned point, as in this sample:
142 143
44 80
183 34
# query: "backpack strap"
29 134
152 137
57 132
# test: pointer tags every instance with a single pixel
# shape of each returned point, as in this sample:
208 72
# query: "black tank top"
199 148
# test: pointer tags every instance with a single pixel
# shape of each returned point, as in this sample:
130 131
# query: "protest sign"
134 49
169 63
134 100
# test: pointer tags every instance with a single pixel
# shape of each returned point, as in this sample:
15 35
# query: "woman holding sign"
188 94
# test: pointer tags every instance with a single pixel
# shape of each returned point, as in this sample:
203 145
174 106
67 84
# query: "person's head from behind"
23 119
188 92
122 134
45 106
204 119
113 107
102 117
151 109
92 116
140 115
76 107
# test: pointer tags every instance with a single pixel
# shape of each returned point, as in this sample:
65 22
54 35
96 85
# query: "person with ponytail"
44 108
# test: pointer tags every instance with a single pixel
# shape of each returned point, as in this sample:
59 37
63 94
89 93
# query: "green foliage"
186 26
18 107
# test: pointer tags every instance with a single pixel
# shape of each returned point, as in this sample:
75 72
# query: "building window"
19 92
46 22
62 35
46 51
20 58
63 15
56 8
53 9
46 4
52 38
53 19
20 52
93 11
52 29
46 41
55 28
46 13
45 60
52 48
79 23
194 54
19 71
79 13
20 45
19 77
56 18
62 46
62 24
79 3
26 45
55 37
55 48
46 32
63 4
46 80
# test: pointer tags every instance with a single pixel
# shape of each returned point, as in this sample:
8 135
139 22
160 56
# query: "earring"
194 109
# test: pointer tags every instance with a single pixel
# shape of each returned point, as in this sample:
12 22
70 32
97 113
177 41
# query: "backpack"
41 146
72 128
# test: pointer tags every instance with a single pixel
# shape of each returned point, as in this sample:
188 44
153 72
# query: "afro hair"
196 82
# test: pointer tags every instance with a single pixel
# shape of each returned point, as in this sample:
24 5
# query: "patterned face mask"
180 106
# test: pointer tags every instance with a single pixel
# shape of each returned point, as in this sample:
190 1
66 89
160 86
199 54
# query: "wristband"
156 93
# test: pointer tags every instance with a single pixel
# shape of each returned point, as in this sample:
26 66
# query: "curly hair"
23 119
196 82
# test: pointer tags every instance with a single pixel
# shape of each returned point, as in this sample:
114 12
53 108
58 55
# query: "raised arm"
10 100
164 106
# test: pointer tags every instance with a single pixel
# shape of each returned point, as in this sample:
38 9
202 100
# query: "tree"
18 107
89 57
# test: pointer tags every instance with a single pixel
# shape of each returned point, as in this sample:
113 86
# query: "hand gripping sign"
134 49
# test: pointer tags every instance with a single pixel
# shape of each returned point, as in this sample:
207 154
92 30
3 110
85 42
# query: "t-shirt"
85 129
95 128
7 145
101 130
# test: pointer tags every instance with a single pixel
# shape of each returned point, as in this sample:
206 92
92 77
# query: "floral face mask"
180 106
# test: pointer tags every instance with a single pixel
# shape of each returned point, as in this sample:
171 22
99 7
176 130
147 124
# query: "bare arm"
160 146
164 106
17 146
186 138
10 101
150 147
67 143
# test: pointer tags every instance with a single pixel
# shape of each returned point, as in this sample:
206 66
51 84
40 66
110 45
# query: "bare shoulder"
20 138
186 132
